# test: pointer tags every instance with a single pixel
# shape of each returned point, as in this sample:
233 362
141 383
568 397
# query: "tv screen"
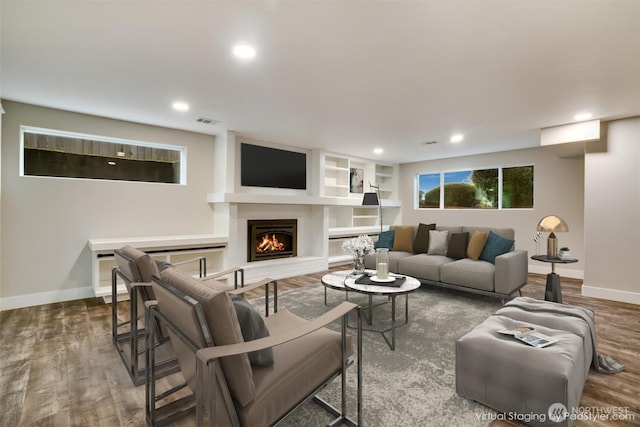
270 167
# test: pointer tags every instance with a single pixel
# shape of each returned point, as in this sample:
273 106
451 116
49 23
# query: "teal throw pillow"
494 247
385 240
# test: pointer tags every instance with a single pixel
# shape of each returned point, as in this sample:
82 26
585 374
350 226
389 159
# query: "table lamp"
552 224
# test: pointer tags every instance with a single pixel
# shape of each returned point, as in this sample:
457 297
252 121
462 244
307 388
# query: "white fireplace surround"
312 241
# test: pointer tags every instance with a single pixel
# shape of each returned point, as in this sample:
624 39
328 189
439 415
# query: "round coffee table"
346 281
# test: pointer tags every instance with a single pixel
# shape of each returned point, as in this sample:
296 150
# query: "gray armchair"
135 269
226 388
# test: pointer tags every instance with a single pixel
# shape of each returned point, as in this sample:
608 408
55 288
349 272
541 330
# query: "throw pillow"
385 240
494 247
404 239
476 244
252 327
421 242
458 244
438 242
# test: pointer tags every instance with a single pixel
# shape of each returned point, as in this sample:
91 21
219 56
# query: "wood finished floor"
58 366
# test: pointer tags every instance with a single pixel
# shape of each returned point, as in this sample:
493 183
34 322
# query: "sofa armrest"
210 353
511 271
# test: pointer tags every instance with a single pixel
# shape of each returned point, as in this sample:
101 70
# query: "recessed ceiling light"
378 151
111 163
244 51
180 106
582 116
457 137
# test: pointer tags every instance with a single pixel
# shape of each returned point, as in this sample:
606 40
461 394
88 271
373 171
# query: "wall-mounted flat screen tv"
271 167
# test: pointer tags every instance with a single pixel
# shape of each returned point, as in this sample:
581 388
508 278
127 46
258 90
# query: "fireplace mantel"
274 199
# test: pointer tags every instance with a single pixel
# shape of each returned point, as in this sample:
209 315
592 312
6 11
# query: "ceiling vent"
206 121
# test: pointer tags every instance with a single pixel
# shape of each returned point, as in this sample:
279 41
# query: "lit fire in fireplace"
269 243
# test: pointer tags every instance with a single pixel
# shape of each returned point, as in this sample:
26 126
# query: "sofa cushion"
469 273
421 242
385 240
476 244
438 242
495 246
403 240
458 243
423 266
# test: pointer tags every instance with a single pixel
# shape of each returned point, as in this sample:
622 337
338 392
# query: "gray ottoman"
519 380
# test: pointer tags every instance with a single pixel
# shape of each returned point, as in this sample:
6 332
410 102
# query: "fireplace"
271 238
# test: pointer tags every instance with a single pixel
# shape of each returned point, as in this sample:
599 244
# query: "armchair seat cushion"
298 366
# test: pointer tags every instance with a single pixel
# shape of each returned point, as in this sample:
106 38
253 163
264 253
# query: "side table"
553 292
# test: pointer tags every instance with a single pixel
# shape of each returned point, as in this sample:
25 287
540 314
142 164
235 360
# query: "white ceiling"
346 76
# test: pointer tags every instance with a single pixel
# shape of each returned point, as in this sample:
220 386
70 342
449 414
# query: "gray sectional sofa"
501 278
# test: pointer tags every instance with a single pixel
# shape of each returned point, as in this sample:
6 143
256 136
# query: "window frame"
106 139
416 193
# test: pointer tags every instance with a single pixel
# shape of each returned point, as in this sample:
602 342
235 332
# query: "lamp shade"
553 224
370 199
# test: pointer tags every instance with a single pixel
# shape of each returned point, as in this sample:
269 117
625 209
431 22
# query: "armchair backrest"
191 333
222 322
140 266
137 266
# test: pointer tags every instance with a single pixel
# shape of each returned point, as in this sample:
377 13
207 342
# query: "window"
53 153
517 187
429 190
496 188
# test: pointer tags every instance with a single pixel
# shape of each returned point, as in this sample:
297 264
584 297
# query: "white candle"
382 270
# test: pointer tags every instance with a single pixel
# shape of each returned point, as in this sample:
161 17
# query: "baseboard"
611 294
563 272
21 301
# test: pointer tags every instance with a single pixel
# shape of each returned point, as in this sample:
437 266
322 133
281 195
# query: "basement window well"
61 154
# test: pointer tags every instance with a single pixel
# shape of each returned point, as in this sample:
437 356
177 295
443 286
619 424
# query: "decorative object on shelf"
373 199
552 224
356 181
358 248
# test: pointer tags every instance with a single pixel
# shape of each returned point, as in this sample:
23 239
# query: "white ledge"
157 241
291 200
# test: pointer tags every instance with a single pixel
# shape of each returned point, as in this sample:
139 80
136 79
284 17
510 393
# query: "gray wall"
46 222
612 213
558 189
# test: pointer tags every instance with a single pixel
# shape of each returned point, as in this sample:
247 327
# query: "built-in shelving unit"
351 214
336 176
172 249
347 217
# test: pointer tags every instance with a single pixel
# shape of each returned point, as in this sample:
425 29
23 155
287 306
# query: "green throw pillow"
495 246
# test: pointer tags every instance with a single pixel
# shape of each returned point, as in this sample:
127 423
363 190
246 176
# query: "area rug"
415 384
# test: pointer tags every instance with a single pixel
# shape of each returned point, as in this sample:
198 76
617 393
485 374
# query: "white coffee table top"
345 279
